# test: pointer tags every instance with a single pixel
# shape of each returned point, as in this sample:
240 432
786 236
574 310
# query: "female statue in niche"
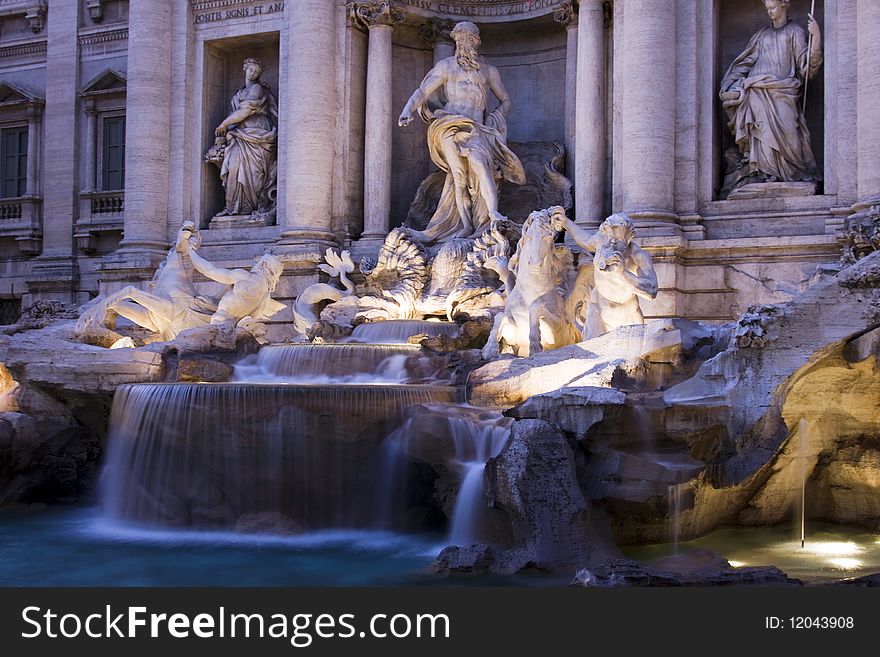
762 93
246 148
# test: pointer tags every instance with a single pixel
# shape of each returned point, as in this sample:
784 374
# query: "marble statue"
762 94
447 281
465 139
246 148
621 273
306 307
170 305
249 299
535 317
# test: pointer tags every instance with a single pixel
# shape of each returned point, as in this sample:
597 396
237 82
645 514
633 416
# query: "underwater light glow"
833 548
737 564
846 563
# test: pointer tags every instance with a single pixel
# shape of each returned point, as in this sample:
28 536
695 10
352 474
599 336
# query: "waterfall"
647 437
675 495
467 438
475 444
400 330
241 454
342 363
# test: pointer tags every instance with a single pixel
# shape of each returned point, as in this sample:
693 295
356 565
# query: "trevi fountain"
569 291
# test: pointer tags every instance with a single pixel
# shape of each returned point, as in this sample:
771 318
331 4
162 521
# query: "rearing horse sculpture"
535 317
172 305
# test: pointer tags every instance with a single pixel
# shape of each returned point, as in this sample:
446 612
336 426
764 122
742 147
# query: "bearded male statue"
465 140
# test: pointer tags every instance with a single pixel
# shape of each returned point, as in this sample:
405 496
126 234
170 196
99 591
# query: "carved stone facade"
629 89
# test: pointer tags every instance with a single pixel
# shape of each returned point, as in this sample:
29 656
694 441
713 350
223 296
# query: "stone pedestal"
240 221
772 190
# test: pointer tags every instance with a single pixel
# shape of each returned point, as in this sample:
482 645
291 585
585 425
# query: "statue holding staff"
761 94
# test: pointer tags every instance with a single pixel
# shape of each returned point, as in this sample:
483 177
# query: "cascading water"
463 439
215 455
399 330
475 444
647 436
676 492
293 446
341 363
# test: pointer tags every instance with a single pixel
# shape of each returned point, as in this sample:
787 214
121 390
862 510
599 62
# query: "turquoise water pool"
76 547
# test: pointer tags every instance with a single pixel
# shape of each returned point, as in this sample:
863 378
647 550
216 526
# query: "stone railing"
10 208
21 218
98 212
108 203
102 207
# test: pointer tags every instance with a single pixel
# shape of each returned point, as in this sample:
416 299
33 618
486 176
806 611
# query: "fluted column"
379 18
868 102
566 15
589 149
148 117
308 130
437 34
648 111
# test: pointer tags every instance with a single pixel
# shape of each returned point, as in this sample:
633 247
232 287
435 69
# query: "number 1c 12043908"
821 622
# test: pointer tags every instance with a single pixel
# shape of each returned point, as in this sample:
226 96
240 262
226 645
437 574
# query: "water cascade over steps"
293 443
457 440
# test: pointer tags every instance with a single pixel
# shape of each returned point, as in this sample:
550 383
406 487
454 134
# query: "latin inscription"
239 13
506 9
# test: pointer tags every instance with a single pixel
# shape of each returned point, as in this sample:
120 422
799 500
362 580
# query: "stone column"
33 162
566 15
379 18
90 183
308 125
868 100
148 117
54 273
589 148
436 33
648 113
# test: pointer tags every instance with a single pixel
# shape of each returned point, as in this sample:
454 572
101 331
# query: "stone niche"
530 55
737 22
222 77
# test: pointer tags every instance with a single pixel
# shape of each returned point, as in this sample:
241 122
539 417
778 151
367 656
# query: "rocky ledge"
56 393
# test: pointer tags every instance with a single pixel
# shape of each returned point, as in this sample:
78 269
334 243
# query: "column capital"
366 15
566 14
437 30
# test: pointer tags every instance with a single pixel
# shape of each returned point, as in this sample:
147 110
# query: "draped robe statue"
465 139
246 148
762 93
